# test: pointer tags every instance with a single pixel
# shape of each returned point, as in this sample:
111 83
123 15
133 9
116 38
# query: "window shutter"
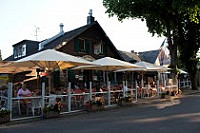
76 45
87 43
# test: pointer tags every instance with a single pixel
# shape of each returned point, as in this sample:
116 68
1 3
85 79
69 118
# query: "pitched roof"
33 46
149 56
57 43
67 36
129 56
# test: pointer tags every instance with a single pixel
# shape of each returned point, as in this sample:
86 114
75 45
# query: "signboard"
4 80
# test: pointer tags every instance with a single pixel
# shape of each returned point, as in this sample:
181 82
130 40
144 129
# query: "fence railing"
71 102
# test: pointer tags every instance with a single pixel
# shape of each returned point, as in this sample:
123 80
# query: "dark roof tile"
149 56
129 57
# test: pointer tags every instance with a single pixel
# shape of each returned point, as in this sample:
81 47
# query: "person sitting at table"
4 91
24 92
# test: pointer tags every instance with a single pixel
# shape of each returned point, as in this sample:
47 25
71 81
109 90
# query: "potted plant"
51 111
94 105
128 100
4 115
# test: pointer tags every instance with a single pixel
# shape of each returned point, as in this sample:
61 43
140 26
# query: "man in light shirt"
23 92
24 103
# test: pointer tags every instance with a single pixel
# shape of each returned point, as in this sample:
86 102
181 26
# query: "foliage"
127 99
90 103
56 108
165 17
190 43
4 112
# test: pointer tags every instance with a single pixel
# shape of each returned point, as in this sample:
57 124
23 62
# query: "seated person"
24 92
4 91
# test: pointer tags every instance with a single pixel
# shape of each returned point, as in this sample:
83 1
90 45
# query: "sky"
21 18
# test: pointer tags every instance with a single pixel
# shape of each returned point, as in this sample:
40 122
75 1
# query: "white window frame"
24 50
20 51
98 48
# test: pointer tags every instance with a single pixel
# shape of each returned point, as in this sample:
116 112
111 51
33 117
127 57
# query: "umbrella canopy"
107 63
144 66
6 67
151 67
50 59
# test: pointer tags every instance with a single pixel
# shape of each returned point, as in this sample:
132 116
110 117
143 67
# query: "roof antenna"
36 32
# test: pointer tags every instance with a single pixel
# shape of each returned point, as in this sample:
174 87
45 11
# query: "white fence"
71 102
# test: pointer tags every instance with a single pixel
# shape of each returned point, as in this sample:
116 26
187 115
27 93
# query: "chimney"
132 51
61 28
90 18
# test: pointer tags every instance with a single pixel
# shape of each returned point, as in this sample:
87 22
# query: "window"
24 50
82 45
15 53
98 48
20 51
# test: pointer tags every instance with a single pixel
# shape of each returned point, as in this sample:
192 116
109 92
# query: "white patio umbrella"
107 64
49 60
144 67
11 70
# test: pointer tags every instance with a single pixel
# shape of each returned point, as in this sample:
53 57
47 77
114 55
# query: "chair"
52 99
4 101
19 108
36 104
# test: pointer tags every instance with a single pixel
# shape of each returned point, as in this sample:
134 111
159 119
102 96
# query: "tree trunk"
194 82
173 51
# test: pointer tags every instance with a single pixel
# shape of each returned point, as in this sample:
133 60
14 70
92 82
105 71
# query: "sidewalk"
150 100
141 101
190 91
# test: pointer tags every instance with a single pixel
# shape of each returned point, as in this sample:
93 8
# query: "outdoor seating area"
116 83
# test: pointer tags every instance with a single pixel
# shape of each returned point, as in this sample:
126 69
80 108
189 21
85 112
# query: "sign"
4 80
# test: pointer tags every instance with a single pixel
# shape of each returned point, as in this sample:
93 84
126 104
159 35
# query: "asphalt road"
175 116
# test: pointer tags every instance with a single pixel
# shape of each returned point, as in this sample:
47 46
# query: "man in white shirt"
24 92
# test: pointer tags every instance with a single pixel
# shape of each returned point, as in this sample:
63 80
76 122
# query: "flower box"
4 119
51 114
4 115
126 101
94 106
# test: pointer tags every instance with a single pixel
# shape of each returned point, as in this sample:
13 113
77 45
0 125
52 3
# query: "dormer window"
24 50
15 53
20 51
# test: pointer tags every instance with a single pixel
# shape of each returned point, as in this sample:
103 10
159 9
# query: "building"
89 42
158 57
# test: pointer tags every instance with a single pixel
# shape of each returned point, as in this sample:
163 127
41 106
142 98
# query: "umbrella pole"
142 84
49 82
135 90
108 88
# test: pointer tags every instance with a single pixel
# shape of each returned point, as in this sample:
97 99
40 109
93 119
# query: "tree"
163 17
190 43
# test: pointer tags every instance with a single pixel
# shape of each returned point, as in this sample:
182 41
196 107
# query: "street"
175 116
